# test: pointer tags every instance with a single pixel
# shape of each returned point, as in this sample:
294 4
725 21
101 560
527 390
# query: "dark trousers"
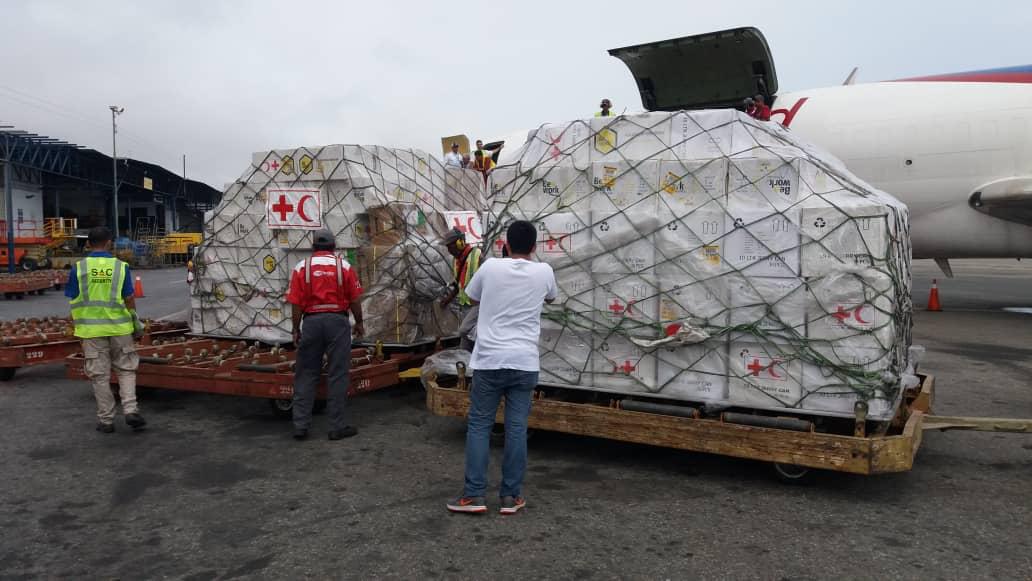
329 334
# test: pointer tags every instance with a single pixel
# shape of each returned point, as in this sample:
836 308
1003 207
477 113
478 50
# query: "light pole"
115 111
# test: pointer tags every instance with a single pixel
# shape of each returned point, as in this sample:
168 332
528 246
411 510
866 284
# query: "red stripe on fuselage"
973 78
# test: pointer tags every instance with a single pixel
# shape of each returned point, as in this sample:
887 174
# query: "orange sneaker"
511 504
470 504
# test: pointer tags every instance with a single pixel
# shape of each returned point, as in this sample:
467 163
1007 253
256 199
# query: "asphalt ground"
215 488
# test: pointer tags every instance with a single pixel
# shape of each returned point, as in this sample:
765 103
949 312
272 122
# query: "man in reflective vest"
606 111
465 263
104 314
323 288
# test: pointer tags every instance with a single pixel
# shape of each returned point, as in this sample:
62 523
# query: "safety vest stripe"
116 280
107 304
116 321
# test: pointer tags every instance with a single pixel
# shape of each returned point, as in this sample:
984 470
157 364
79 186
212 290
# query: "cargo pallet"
43 345
791 444
250 369
17 286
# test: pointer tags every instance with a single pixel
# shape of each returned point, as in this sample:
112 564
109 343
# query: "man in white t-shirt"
505 362
453 159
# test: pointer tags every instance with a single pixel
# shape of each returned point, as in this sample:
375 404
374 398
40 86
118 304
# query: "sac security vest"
99 310
464 268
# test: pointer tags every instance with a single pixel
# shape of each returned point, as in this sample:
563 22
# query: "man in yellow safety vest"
607 107
104 314
465 262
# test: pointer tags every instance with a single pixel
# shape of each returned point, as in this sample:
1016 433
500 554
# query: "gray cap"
323 237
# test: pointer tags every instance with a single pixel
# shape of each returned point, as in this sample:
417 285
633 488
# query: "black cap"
323 238
453 235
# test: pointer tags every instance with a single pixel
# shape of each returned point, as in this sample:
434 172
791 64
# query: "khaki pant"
103 353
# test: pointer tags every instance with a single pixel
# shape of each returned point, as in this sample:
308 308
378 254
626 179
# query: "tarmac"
215 488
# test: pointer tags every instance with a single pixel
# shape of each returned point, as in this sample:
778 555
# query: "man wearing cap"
323 288
104 315
465 263
453 159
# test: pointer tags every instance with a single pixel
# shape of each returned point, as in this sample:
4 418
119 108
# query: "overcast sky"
218 80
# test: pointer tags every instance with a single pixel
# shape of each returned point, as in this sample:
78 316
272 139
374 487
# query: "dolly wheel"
283 408
7 373
793 474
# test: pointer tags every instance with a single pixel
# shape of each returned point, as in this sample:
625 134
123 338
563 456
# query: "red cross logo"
627 367
756 367
499 246
274 165
617 307
841 314
282 207
462 227
555 152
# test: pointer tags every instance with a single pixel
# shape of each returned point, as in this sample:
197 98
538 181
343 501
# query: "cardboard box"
566 144
852 310
694 373
685 186
763 376
765 184
624 243
684 297
630 137
557 189
762 244
628 304
837 391
776 307
693 243
624 186
621 365
702 134
844 237
565 354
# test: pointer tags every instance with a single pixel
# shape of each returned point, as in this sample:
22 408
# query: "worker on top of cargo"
465 161
480 148
465 263
482 163
323 288
607 107
453 158
103 308
505 363
761 111
749 106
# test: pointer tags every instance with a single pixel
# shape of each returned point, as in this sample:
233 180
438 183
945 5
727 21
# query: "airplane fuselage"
932 145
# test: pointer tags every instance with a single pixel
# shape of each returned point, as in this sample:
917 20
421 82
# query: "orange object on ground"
933 297
138 289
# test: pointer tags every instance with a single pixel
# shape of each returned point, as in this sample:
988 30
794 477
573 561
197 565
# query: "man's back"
511 293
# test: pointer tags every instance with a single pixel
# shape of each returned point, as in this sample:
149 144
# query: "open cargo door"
712 70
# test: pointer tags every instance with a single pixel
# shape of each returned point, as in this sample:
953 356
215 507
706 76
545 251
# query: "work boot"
135 421
345 432
105 428
300 433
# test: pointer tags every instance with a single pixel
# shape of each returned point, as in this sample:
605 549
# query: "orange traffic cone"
138 289
933 297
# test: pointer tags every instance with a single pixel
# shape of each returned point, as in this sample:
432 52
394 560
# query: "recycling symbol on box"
820 223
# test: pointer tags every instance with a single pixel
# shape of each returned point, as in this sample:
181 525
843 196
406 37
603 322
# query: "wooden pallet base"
869 455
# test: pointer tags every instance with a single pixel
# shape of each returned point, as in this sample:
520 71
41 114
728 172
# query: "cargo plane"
956 148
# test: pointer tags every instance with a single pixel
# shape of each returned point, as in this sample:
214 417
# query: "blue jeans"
489 385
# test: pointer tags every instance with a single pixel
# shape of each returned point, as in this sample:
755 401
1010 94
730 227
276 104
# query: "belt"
325 313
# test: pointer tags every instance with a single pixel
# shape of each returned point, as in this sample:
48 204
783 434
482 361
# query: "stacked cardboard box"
796 269
385 208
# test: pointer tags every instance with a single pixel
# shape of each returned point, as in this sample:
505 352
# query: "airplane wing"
1007 199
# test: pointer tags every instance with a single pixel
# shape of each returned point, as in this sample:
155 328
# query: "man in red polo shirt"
761 110
323 288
